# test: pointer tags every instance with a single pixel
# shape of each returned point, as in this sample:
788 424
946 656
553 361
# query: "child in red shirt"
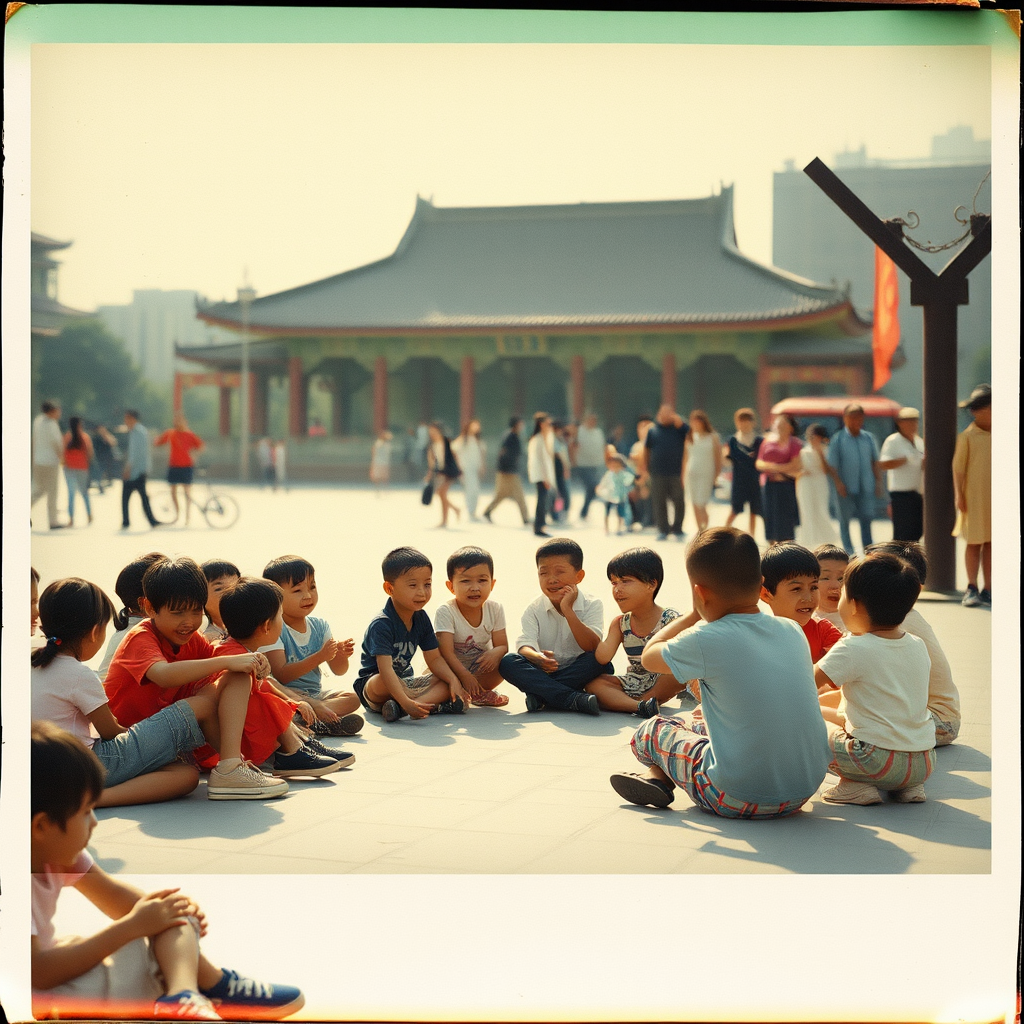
179 464
790 588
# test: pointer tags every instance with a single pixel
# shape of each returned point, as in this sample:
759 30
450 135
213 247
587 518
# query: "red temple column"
668 379
380 395
467 391
225 411
257 403
179 389
296 397
578 377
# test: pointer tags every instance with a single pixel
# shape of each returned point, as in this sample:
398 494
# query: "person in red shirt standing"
180 467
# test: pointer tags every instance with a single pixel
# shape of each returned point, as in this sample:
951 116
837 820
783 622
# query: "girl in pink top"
779 464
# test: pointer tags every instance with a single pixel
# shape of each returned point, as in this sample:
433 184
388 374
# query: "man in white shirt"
47 458
902 457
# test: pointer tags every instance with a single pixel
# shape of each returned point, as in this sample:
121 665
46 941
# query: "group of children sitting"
845 676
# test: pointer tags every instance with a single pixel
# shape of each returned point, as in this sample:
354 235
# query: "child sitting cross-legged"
636 576
561 630
833 561
386 684
164 659
128 587
882 735
305 644
220 575
790 588
470 628
761 750
141 763
146 963
252 613
943 696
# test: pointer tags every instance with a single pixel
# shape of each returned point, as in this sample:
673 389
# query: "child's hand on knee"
159 911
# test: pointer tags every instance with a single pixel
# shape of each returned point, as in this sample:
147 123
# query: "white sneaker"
910 795
185 1006
848 792
244 781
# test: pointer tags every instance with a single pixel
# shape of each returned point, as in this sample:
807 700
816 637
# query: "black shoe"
585 704
487 516
647 708
534 703
541 533
314 746
392 711
639 789
449 707
303 763
348 725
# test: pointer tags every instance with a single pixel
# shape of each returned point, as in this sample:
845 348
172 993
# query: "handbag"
428 492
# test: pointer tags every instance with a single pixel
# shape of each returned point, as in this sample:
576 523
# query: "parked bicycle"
219 510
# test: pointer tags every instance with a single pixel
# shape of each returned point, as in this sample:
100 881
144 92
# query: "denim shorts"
150 744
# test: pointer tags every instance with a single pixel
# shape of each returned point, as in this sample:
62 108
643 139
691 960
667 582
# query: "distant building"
491 311
813 237
152 324
49 315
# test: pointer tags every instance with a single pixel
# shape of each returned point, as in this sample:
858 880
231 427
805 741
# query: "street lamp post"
246 295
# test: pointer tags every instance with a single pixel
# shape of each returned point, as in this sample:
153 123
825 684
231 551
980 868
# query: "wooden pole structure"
939 295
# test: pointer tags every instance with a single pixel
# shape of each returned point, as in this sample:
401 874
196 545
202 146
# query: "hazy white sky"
180 165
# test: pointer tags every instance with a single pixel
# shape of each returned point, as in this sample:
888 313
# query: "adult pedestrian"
640 495
540 467
902 459
442 469
265 460
78 454
663 461
779 463
702 462
972 487
281 464
180 466
104 446
813 491
563 470
853 454
590 442
471 454
507 482
47 458
138 464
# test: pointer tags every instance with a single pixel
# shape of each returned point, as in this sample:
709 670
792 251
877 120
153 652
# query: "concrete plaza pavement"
502 791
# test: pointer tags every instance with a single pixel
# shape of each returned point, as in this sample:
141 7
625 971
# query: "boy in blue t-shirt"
386 684
306 644
758 698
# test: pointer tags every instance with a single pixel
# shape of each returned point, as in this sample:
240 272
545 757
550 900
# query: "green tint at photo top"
116 23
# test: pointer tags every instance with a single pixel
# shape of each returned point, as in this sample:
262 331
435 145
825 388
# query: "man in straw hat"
902 458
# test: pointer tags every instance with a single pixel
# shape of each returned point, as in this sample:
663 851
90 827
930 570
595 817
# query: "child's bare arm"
105 723
446 645
544 660
490 660
587 638
169 674
286 671
606 649
339 663
440 668
822 681
653 658
134 915
395 686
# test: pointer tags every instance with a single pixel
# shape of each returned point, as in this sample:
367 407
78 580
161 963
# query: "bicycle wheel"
221 511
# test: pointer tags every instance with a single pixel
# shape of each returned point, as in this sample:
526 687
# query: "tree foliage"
90 373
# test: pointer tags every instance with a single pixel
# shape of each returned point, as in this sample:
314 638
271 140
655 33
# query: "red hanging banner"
886 333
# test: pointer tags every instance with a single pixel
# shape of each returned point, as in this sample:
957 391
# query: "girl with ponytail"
128 587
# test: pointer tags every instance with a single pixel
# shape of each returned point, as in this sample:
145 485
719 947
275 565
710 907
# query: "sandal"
490 699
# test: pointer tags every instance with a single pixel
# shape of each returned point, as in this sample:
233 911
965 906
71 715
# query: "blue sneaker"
303 763
314 746
238 998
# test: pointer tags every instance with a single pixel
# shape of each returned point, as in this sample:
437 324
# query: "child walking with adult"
540 467
78 453
702 462
442 470
742 452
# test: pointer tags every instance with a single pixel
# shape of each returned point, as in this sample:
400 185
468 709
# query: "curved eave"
843 315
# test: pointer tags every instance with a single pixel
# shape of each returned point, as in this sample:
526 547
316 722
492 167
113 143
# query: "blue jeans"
77 481
556 689
862 507
589 477
150 744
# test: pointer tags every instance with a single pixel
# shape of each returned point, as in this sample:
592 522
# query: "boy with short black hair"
305 644
561 629
882 735
386 684
943 696
758 702
833 561
220 575
165 659
147 961
790 588
470 628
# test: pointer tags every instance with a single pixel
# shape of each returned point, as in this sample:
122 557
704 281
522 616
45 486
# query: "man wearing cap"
972 487
853 454
902 458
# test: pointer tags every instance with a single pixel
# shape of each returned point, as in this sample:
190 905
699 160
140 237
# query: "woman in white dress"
470 452
812 491
702 462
